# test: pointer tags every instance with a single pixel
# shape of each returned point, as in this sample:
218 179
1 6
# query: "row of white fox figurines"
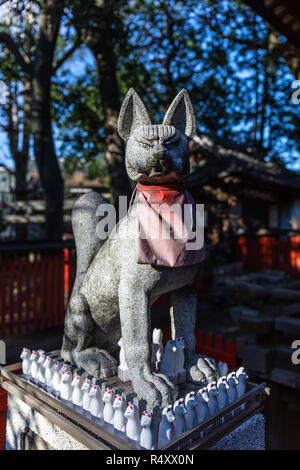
185 414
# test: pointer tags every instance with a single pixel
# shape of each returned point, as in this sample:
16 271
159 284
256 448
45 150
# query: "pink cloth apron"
164 232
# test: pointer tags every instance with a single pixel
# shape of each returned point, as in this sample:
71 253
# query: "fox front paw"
156 389
96 362
202 370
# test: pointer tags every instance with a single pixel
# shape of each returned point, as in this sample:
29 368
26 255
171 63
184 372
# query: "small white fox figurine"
65 386
222 389
146 438
179 358
41 371
166 429
119 418
77 393
34 370
157 347
232 391
96 406
202 408
56 375
26 364
242 378
133 428
122 359
191 405
168 362
213 401
223 368
86 399
108 412
123 371
179 411
48 371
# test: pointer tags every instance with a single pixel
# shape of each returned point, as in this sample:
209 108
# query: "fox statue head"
157 153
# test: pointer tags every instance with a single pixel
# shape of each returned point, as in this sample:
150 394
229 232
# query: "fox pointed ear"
181 115
132 114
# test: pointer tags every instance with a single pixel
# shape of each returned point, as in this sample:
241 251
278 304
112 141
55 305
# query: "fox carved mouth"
160 178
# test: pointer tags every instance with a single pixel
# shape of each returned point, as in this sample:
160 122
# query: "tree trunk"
20 160
44 150
109 92
21 156
94 23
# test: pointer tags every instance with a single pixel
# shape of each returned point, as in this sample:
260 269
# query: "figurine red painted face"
146 419
179 407
168 411
108 395
118 402
94 390
86 385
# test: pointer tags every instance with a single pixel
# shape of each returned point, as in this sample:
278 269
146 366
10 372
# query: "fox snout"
161 161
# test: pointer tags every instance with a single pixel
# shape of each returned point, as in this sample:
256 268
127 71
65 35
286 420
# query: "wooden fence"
270 252
37 279
35 284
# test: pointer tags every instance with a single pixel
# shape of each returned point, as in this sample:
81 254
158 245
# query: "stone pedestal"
23 420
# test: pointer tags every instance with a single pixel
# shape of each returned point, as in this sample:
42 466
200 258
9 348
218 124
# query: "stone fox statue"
113 293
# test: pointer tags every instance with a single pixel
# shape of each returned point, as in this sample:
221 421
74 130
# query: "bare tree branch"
13 47
4 127
67 55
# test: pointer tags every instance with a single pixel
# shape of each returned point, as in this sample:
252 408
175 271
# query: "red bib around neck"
164 231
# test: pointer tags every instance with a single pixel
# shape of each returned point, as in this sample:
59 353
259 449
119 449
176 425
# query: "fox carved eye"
149 416
145 146
131 407
144 414
120 399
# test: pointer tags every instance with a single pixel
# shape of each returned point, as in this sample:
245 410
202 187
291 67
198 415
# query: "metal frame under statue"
119 278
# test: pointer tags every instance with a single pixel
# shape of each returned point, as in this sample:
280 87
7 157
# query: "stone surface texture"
248 436
113 293
20 416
